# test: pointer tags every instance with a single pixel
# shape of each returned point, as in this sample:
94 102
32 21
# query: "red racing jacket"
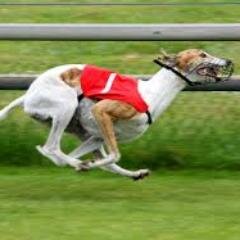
99 83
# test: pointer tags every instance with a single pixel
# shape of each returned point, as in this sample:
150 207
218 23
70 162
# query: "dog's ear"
169 59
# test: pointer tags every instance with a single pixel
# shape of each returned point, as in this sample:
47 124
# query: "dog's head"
199 66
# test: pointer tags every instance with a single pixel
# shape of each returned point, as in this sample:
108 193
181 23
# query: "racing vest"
99 83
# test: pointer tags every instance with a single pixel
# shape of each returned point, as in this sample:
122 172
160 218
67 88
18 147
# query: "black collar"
175 71
149 116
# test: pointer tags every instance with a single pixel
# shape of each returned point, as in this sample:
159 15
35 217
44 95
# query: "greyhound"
105 121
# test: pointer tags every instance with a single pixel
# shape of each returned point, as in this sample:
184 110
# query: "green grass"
40 203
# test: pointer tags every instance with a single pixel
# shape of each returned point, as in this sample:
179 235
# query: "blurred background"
200 130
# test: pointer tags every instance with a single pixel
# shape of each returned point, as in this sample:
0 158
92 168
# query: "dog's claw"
142 174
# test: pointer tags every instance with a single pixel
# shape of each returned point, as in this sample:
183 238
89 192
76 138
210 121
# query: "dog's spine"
17 102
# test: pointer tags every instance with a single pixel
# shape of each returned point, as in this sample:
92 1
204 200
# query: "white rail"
120 32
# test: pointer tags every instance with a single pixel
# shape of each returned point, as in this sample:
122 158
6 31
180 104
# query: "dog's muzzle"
212 71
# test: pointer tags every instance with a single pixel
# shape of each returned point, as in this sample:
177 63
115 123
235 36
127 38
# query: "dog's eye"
203 55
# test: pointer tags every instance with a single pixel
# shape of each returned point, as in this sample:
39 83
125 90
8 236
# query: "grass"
40 203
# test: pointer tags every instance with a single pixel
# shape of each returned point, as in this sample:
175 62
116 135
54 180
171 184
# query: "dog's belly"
125 130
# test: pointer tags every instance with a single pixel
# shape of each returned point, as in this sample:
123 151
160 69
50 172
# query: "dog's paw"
141 174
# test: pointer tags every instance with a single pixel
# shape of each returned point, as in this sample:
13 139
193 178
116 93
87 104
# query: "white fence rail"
120 32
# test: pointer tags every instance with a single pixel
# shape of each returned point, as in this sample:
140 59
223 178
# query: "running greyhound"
113 107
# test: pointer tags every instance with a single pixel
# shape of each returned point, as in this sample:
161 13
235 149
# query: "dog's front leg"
88 146
114 168
105 113
94 145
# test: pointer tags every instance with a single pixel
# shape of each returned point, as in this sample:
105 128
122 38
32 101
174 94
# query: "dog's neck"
160 90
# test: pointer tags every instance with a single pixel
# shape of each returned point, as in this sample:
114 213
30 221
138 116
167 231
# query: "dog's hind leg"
51 149
59 105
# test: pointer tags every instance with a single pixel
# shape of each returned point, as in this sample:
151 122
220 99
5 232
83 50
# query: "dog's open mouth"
214 72
207 71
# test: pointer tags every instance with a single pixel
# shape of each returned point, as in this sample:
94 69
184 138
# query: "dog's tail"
17 102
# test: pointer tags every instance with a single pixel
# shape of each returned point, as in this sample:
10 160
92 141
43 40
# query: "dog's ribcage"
125 130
